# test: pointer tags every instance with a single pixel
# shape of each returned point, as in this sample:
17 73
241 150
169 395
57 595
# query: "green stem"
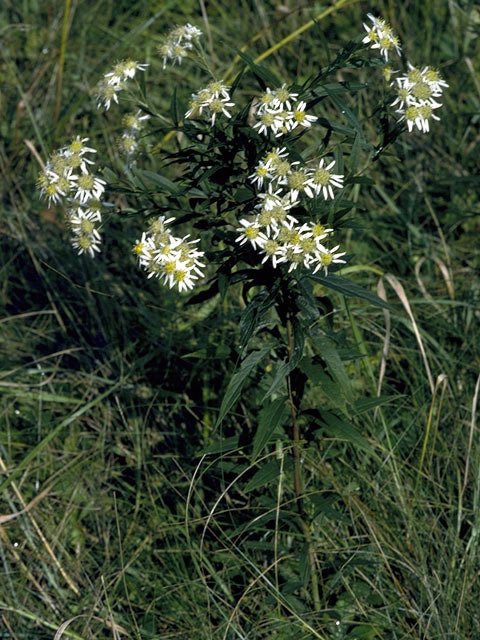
295 431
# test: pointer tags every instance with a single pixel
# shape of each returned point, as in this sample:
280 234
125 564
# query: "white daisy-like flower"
78 147
298 182
106 93
319 232
270 199
180 275
284 98
177 43
249 231
133 121
261 173
215 99
269 120
266 101
124 70
83 221
299 117
190 32
418 115
87 243
217 89
88 187
322 180
380 36
272 249
325 257
54 187
219 106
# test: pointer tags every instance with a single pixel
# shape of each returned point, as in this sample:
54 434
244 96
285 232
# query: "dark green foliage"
151 437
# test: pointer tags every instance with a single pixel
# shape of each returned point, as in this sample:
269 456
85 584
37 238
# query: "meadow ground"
123 509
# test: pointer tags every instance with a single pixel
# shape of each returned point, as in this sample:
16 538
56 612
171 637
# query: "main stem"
297 478
295 431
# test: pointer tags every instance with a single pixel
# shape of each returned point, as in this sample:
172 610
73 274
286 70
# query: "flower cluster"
128 142
114 81
163 255
274 231
417 94
279 113
214 100
380 36
417 91
177 43
67 180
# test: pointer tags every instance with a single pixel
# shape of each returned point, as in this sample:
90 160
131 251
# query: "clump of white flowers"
177 43
417 96
278 113
274 232
67 180
174 260
417 91
380 36
115 80
128 142
214 100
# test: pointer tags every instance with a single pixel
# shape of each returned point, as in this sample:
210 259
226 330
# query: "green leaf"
268 473
287 367
349 288
367 404
271 416
329 353
316 374
158 180
238 380
109 175
253 314
262 73
325 505
281 373
223 445
355 155
343 430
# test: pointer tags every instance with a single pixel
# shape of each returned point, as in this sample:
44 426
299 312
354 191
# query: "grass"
112 511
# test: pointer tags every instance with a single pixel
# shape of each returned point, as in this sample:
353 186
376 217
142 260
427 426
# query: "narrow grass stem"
303 28
61 60
290 37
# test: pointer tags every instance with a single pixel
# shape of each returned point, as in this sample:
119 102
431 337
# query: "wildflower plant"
258 203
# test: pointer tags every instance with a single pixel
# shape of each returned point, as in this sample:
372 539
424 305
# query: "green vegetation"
144 496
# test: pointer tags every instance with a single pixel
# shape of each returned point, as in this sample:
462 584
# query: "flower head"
380 36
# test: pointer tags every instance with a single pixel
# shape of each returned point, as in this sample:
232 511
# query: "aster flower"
283 98
87 243
106 93
215 99
299 117
298 182
53 187
249 231
124 70
177 43
261 173
269 119
380 36
322 180
88 187
218 106
325 257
